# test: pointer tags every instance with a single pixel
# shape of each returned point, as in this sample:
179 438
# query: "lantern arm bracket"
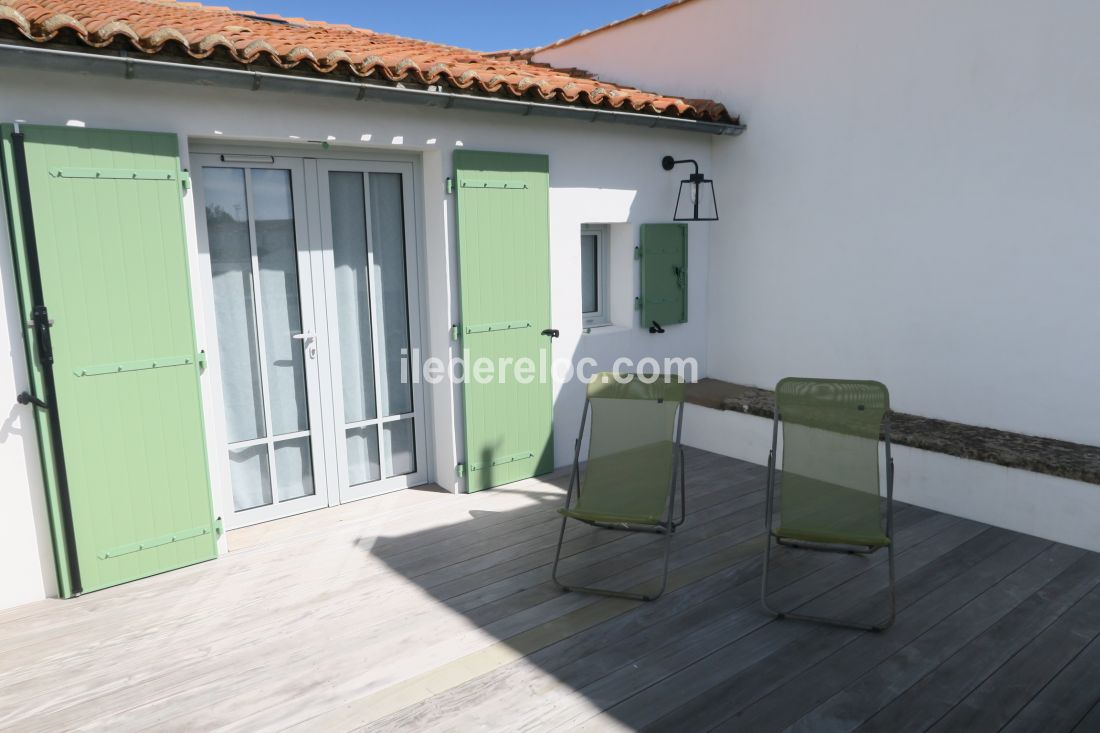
668 163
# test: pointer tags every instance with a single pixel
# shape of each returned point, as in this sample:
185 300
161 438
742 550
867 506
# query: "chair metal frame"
827 547
666 527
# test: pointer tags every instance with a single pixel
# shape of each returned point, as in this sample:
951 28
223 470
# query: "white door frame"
315 263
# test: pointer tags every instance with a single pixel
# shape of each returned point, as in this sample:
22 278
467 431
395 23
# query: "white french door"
367 259
312 282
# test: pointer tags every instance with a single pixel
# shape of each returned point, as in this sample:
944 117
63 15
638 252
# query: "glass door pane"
364 465
400 454
234 302
265 353
388 232
353 310
282 312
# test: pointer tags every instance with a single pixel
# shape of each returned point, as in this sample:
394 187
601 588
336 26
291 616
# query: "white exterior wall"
599 173
914 201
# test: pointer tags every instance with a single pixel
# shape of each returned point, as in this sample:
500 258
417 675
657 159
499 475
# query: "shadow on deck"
993 627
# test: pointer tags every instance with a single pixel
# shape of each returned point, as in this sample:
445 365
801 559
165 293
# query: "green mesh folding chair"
830 494
634 458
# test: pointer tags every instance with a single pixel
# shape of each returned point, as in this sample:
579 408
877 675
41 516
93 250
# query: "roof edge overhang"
124 65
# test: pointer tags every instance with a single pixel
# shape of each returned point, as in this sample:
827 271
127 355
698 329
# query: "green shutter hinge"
185 180
219 528
460 470
455 332
450 185
637 253
202 361
637 304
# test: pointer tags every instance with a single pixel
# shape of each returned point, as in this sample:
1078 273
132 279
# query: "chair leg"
667 532
557 555
683 494
882 626
764 577
893 585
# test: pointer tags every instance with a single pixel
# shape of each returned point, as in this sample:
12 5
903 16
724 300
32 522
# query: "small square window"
594 275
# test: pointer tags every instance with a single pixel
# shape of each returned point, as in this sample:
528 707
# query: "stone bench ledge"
1013 450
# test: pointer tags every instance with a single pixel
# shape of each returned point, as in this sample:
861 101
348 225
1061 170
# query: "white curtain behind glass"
279 300
293 468
387 215
349 245
234 306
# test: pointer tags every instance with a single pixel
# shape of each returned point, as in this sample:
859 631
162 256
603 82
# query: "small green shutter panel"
504 278
664 274
105 224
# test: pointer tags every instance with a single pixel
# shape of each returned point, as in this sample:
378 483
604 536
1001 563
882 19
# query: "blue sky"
484 25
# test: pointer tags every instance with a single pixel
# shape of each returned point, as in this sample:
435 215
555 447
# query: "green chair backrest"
830 481
632 444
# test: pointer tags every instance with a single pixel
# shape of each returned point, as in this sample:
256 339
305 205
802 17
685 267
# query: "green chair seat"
828 513
626 487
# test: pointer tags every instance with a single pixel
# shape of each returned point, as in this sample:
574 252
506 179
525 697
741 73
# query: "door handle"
310 340
551 332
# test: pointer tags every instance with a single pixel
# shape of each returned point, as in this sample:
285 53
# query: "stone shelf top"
1014 450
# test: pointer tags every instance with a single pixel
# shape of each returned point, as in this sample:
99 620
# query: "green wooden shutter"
112 257
664 274
504 270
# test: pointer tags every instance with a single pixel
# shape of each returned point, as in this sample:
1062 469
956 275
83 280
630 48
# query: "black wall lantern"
695 201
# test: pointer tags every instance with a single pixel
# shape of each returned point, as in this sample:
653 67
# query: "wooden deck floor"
426 611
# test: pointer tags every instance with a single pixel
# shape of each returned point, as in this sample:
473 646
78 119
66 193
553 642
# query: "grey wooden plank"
639 693
527 631
884 688
724 656
473 583
781 707
927 596
433 565
1090 722
305 601
227 676
616 646
741 505
601 568
208 647
419 647
650 623
948 684
1031 680
598 553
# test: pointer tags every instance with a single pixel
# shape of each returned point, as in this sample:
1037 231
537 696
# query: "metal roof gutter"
119 63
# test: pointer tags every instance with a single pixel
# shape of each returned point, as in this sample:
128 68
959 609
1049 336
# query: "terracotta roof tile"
201 31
